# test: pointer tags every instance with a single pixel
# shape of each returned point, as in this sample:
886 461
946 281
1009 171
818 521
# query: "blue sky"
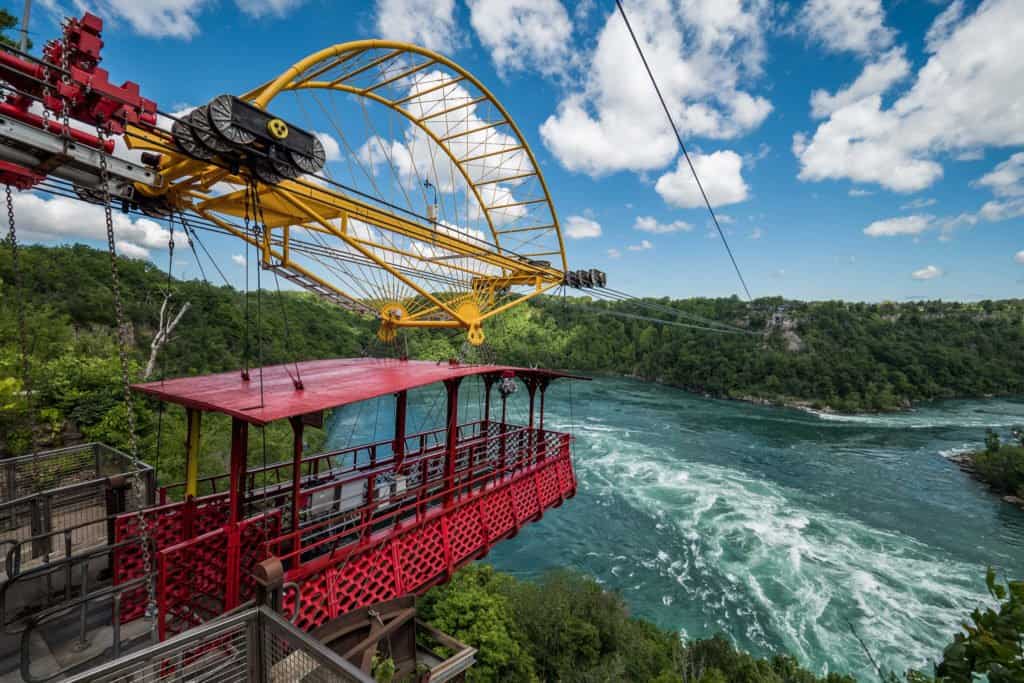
857 149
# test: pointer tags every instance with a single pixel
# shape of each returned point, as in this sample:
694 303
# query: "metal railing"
329 464
71 493
368 500
252 645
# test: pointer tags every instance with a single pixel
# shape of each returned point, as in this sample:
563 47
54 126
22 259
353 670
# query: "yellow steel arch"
525 256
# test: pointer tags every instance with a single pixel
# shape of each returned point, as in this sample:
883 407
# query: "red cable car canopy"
271 393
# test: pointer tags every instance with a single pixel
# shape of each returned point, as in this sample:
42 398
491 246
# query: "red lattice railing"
381 566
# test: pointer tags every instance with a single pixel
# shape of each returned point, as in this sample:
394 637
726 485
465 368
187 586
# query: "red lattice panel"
421 554
165 529
498 513
365 579
315 603
524 491
210 515
193 581
547 480
465 533
566 479
253 533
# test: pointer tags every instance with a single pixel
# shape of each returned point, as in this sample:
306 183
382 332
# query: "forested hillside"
844 356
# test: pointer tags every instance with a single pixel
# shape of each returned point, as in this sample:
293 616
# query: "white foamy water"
800 577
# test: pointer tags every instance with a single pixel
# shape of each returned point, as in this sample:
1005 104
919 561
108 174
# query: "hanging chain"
26 377
122 344
66 79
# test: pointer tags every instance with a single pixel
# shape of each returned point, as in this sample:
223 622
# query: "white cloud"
651 224
719 172
172 18
578 227
430 23
847 25
643 246
904 225
920 203
614 253
42 219
523 34
756 234
974 61
943 25
129 250
261 8
857 192
927 273
1007 179
331 148
876 79
994 211
154 18
700 51
1019 257
238 260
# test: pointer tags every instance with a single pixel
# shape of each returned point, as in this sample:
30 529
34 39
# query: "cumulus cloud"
430 23
170 18
701 52
129 250
1007 179
847 25
720 173
580 227
1019 257
615 253
42 219
904 225
651 224
238 260
643 246
927 273
975 60
877 78
523 34
857 192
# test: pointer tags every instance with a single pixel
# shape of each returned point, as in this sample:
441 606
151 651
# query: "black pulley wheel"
204 132
221 113
310 163
184 138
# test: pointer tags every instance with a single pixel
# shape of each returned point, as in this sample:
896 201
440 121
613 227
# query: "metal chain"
26 377
144 535
65 79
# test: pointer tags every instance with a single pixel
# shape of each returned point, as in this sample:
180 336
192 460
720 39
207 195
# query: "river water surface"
783 529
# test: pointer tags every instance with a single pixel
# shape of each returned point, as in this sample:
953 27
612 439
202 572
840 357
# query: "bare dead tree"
168 321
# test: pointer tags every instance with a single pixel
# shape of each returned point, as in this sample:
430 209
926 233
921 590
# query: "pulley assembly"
243 136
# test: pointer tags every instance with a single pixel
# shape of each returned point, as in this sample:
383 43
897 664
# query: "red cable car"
350 527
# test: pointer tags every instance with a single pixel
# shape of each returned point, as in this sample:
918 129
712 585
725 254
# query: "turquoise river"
785 530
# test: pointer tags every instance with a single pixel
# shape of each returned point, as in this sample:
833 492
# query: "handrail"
315 459
293 539
65 565
12 559
81 604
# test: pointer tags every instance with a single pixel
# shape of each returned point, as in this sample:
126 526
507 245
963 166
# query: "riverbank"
968 462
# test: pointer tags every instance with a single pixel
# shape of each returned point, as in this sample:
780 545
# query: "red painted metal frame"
71 77
325 384
426 550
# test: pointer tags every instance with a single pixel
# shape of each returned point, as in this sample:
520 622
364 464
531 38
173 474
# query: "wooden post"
297 425
452 437
398 446
239 457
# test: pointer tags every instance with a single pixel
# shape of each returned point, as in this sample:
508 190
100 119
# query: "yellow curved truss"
522 257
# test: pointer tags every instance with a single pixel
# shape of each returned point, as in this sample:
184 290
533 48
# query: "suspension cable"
679 139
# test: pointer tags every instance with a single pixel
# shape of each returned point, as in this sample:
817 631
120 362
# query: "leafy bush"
565 627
